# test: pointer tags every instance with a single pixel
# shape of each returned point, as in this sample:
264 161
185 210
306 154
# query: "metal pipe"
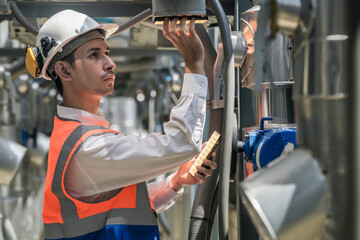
239 160
34 30
134 20
353 15
226 145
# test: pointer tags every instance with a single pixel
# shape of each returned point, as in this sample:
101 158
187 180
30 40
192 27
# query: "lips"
110 77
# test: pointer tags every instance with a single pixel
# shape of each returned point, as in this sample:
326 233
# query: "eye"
93 55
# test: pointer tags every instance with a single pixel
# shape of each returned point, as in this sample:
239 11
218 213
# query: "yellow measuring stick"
206 152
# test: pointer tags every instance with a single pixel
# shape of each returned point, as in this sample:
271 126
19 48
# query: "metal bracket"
4 7
12 90
219 75
211 104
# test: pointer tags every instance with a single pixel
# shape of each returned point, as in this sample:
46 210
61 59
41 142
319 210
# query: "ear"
62 69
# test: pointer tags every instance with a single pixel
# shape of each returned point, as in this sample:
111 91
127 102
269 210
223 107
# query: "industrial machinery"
283 94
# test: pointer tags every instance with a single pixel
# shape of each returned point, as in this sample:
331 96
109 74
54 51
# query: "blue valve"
263 120
263 146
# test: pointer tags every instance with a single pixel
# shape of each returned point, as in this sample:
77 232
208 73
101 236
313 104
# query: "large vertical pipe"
321 97
354 77
239 176
200 226
206 197
227 119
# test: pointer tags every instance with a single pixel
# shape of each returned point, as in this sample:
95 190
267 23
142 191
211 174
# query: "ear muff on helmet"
33 61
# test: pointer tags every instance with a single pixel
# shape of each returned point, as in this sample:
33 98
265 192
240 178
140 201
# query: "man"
95 185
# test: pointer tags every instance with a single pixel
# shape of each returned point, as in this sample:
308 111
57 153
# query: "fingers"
168 30
213 156
192 27
209 164
187 42
172 28
181 30
206 169
199 176
166 26
175 32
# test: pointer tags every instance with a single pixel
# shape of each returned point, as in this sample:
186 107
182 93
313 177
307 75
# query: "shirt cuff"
162 195
180 192
194 83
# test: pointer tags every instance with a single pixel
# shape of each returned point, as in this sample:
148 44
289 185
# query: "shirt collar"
82 116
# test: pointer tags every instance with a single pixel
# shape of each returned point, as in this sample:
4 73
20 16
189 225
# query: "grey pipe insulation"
226 145
206 198
202 229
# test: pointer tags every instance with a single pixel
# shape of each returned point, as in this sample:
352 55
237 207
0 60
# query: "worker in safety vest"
96 179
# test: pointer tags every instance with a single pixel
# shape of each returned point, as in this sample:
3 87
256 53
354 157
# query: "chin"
110 91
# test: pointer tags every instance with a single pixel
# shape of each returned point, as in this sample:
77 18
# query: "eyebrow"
96 49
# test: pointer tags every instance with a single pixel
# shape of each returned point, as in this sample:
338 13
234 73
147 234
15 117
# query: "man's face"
93 71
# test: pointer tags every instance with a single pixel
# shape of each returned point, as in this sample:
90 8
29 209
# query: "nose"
109 63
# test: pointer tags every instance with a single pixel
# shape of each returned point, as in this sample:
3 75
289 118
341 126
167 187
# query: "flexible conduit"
22 20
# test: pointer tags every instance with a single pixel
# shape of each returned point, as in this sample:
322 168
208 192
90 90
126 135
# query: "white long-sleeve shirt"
109 161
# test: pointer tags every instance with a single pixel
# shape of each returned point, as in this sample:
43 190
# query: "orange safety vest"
127 213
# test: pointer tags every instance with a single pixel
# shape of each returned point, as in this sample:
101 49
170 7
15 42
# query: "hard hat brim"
109 29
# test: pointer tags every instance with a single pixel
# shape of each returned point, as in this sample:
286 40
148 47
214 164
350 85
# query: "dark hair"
71 60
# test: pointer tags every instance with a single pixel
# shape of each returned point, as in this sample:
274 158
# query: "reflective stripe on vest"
67 217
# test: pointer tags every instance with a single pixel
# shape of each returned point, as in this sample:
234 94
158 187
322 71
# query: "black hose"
23 20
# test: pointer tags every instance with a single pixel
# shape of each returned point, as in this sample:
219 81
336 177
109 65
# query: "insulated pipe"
353 15
206 200
227 132
322 100
239 171
356 111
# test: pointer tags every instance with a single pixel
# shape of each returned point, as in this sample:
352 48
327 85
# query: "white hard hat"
64 27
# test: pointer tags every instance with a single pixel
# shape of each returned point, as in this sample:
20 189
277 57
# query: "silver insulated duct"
323 111
321 100
274 96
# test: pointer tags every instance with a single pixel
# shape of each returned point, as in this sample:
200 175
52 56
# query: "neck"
90 103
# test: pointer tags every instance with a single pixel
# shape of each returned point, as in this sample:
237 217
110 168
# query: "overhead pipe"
133 21
22 19
34 29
